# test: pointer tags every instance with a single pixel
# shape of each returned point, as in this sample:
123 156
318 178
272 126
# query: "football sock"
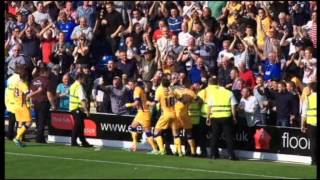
177 142
192 146
152 144
134 137
159 141
20 132
151 141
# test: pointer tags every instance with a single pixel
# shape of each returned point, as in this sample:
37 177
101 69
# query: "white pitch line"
148 165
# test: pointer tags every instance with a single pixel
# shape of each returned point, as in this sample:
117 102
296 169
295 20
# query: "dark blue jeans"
283 122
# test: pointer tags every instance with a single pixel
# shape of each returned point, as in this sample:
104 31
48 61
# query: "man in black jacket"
284 106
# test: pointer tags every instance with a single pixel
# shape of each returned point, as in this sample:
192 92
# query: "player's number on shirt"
170 101
16 92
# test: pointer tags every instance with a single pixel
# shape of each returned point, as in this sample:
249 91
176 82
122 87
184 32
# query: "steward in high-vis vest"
203 128
78 106
309 120
221 111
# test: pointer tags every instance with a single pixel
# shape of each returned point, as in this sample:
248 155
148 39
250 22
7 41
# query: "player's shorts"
184 120
166 120
23 114
143 118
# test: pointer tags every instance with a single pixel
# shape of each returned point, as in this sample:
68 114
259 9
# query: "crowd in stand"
264 51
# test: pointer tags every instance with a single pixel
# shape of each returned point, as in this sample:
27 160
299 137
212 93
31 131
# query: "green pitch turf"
60 161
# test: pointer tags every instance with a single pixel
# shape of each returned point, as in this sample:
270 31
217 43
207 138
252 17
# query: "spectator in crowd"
271 66
237 83
246 75
175 21
40 16
101 100
198 71
30 43
127 66
63 93
263 20
225 52
81 51
48 41
147 65
261 93
13 40
292 89
138 18
118 94
284 106
249 105
224 72
241 52
184 36
208 51
70 11
114 22
309 65
89 13
110 72
174 48
62 53
65 25
15 59
82 28
210 23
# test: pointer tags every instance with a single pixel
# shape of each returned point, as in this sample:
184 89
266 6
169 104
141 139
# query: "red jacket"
248 77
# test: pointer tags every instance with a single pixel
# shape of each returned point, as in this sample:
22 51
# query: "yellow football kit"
22 105
143 115
185 96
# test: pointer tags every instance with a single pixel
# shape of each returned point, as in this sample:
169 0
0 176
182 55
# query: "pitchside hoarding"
259 139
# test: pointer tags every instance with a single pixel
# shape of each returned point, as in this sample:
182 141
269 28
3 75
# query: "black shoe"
233 158
75 144
41 141
194 155
215 156
87 145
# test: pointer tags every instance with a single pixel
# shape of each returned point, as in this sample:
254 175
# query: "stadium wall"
264 142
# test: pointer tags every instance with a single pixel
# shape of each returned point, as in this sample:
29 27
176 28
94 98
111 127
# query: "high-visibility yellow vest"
204 107
194 112
9 92
74 101
221 106
312 109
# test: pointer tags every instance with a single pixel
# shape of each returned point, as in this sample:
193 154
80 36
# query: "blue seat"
105 59
33 114
6 114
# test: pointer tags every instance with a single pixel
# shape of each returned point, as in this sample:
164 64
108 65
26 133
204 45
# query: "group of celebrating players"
174 103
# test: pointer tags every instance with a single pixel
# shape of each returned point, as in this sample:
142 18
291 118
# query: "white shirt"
224 53
39 17
186 10
250 104
310 70
142 21
239 58
184 38
163 44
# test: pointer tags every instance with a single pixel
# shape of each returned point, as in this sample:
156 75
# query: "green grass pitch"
56 161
